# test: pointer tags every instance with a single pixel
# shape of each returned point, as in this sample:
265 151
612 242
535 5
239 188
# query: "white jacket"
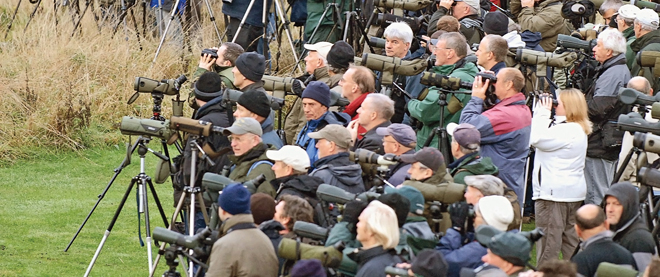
559 161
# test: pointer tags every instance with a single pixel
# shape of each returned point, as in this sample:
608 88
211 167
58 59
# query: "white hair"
382 221
613 39
382 104
610 5
399 30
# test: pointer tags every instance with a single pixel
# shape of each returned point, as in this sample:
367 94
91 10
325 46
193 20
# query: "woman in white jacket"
558 176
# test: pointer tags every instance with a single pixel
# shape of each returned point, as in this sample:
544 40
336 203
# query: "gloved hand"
458 212
352 211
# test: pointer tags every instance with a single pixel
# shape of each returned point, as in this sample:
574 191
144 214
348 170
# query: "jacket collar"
373 130
496 68
259 85
604 235
329 159
251 154
467 158
236 219
321 72
512 100
365 255
643 41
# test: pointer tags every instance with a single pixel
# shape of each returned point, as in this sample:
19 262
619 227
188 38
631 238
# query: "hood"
531 39
643 41
514 40
271 228
268 124
481 166
331 117
211 106
628 196
347 172
303 183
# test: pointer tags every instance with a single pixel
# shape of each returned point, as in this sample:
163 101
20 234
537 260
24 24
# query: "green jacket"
629 34
473 165
243 163
327 31
224 72
546 19
647 42
427 110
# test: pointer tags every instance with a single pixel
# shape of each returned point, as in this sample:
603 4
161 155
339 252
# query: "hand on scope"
545 101
527 3
479 87
458 212
206 62
447 3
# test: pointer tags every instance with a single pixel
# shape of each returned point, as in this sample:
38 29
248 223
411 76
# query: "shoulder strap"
254 165
242 226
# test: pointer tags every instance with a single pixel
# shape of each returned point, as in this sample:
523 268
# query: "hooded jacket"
243 163
647 42
337 170
304 186
427 110
514 40
631 231
546 19
308 143
372 261
471 164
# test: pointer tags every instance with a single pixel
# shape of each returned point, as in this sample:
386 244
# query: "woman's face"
559 110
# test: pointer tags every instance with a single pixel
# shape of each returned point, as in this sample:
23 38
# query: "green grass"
45 200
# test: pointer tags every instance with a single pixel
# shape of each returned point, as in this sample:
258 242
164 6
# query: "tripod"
143 180
441 131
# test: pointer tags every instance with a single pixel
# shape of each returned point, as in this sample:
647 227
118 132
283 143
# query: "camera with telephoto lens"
213 53
570 42
385 19
366 156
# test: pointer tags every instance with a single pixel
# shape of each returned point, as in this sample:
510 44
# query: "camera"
370 157
132 126
213 53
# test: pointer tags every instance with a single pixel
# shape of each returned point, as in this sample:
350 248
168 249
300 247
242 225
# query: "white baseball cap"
648 17
293 156
322 48
628 11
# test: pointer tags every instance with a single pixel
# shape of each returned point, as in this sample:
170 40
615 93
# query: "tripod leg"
162 39
14 17
178 209
112 224
619 172
285 22
144 181
160 207
32 15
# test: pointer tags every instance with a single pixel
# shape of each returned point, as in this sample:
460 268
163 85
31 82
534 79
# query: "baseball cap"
464 134
472 3
291 155
244 125
496 211
335 133
402 133
487 184
511 247
428 156
628 11
322 48
648 17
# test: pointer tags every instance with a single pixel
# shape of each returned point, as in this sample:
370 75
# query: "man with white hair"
376 111
468 13
604 109
398 38
648 39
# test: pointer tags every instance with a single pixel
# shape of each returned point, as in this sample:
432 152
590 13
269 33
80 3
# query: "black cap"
398 203
256 102
208 86
341 55
496 23
251 65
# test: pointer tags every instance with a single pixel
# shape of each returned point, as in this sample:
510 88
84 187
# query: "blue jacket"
238 9
505 131
458 255
269 135
317 124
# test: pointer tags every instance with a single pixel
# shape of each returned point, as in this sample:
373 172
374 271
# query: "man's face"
242 112
501 86
221 59
313 61
418 173
241 144
613 210
600 53
325 147
313 109
279 214
608 16
441 53
396 47
363 234
238 77
494 260
482 54
366 111
348 85
459 10
472 195
389 145
280 169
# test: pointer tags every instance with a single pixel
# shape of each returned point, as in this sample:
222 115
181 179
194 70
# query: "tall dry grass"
64 92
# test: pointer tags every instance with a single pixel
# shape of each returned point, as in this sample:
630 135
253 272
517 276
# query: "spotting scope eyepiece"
333 194
631 96
310 230
570 42
172 237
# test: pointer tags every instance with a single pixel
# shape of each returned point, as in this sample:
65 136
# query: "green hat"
413 195
511 247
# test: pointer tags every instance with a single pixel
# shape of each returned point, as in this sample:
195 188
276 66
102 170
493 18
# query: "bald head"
590 218
640 84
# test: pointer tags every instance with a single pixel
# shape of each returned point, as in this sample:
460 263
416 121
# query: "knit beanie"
318 91
251 65
496 23
399 204
341 55
208 86
235 199
256 102
308 268
262 207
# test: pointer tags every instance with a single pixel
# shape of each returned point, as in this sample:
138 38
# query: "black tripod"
143 180
441 131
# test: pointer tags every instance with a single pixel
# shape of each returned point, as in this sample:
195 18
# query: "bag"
610 135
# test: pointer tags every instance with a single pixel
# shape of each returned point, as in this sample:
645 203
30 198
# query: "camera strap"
241 226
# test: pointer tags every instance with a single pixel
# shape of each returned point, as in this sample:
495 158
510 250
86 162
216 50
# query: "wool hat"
322 48
335 133
308 268
318 91
402 133
496 23
414 196
293 156
235 199
496 211
262 206
251 65
628 11
341 55
208 86
430 263
399 204
464 134
472 3
428 156
244 125
648 17
486 184
511 247
256 102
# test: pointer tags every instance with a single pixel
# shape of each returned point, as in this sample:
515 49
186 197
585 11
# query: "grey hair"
613 39
399 30
486 184
640 83
382 104
456 41
610 5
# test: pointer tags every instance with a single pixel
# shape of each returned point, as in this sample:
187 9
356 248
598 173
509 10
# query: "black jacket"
371 140
304 186
631 232
372 261
598 250
337 170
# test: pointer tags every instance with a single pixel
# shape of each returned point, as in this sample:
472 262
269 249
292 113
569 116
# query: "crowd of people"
418 209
